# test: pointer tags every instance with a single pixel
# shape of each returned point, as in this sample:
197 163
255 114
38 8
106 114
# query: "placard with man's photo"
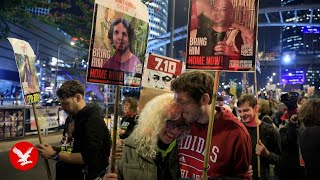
222 35
120 32
160 71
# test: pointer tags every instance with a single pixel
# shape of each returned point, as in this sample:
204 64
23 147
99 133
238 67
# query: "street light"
82 52
172 28
286 59
57 66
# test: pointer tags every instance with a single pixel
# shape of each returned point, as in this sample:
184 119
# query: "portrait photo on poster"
157 79
119 46
27 73
160 71
222 35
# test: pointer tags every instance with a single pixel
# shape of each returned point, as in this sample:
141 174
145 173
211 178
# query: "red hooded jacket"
230 152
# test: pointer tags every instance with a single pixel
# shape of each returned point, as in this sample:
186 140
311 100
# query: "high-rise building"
301 40
38 10
158 23
313 78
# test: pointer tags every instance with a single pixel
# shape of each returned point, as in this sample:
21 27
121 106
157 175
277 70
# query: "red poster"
222 35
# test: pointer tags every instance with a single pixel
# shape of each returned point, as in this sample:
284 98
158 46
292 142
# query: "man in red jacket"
230 151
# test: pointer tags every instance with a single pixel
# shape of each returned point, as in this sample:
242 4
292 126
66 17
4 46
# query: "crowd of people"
167 140
282 132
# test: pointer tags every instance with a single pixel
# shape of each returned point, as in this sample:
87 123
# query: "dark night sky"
269 37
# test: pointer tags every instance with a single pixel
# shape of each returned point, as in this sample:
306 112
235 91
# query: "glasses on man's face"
170 124
184 103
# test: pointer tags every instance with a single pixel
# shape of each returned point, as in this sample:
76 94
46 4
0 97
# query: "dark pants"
66 171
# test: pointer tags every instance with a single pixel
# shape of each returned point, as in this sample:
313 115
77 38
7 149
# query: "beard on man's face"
121 49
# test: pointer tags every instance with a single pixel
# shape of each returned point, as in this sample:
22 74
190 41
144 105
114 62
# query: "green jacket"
134 166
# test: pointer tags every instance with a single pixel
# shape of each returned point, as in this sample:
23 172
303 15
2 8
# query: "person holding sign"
121 35
151 151
129 121
230 151
268 146
86 140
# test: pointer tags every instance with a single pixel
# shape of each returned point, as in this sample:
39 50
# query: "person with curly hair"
230 152
121 35
309 143
151 151
86 142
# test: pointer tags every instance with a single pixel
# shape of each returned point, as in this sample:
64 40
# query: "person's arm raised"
246 33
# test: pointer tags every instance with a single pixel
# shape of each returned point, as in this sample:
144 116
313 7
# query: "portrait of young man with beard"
121 35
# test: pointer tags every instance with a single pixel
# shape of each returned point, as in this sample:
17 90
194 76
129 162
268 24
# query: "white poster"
159 71
47 117
25 59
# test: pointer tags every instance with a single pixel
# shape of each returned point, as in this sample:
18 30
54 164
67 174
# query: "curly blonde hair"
152 120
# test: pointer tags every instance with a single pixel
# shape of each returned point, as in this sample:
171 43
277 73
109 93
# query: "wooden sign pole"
40 140
258 133
114 132
210 127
